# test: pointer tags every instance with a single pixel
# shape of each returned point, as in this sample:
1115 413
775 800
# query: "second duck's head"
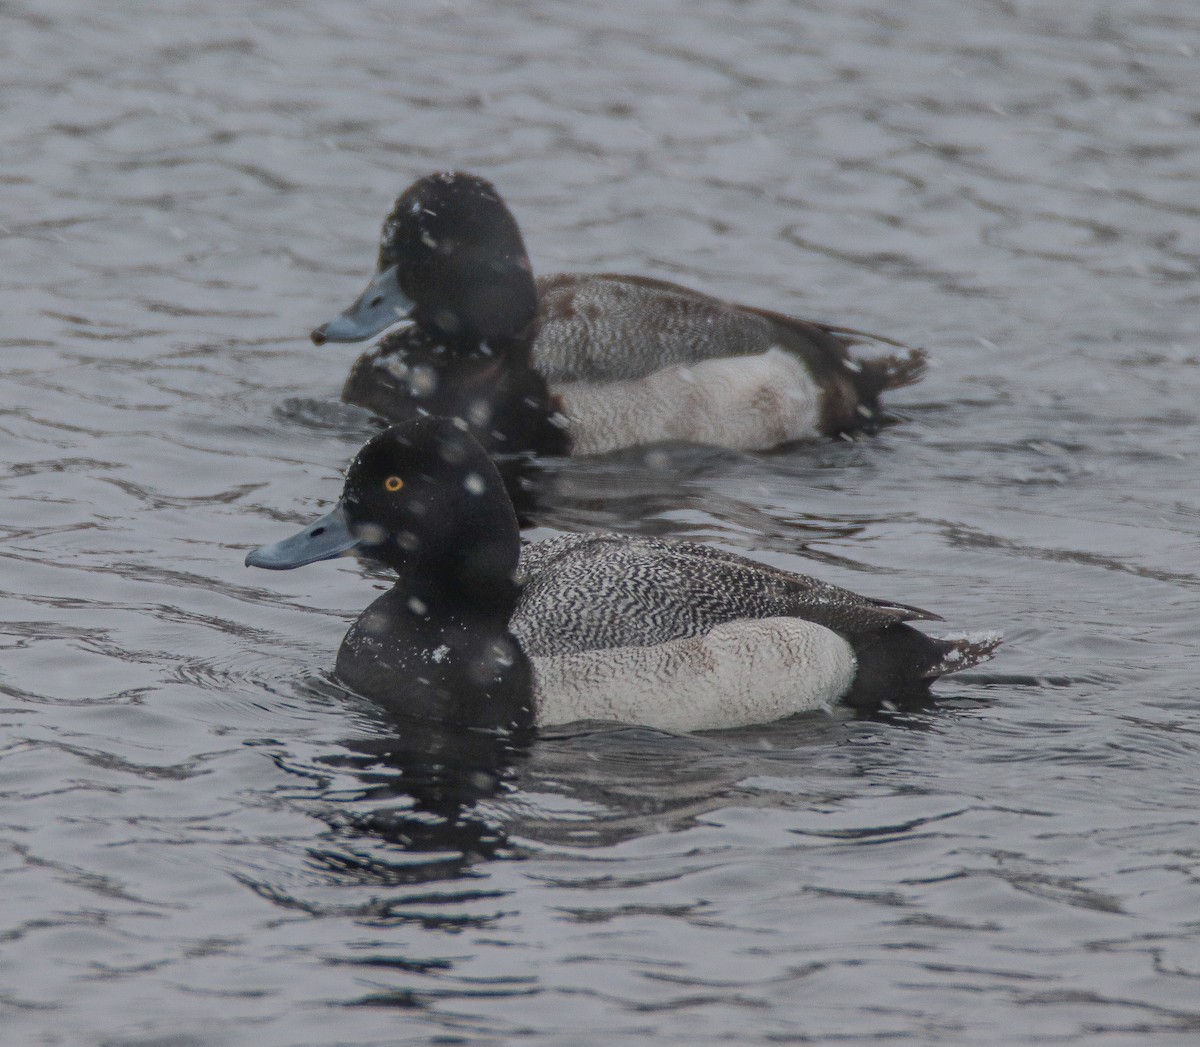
451 259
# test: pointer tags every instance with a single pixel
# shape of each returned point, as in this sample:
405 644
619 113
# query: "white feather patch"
744 672
740 402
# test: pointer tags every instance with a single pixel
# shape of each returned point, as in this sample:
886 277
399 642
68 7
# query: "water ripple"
192 811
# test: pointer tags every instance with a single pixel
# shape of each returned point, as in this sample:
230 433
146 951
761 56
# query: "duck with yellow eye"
426 501
480 631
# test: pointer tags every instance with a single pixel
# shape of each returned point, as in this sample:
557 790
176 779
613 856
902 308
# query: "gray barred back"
603 328
592 591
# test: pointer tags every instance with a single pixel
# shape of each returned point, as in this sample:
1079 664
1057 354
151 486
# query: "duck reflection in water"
420 785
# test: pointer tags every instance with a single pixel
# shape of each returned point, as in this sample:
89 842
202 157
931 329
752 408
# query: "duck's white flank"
742 402
743 672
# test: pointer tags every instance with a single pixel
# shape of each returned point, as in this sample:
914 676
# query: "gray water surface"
203 841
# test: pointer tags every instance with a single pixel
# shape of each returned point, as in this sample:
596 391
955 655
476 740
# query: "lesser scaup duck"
586 363
663 633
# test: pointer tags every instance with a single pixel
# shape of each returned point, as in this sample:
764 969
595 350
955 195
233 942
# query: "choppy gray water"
203 842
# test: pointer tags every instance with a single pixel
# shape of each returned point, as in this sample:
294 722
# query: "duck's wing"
894 612
589 592
606 327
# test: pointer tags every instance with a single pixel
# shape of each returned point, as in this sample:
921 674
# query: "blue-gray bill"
323 539
376 309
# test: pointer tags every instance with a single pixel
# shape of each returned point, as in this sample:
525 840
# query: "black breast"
453 669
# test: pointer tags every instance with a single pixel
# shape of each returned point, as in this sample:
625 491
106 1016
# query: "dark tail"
855 367
870 365
893 371
896 666
889 365
961 652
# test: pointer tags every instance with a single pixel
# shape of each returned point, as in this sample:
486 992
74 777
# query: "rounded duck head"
452 260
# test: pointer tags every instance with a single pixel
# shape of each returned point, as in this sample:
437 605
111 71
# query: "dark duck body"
586 363
668 634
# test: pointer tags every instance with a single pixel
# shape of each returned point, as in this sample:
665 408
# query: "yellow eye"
393 483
